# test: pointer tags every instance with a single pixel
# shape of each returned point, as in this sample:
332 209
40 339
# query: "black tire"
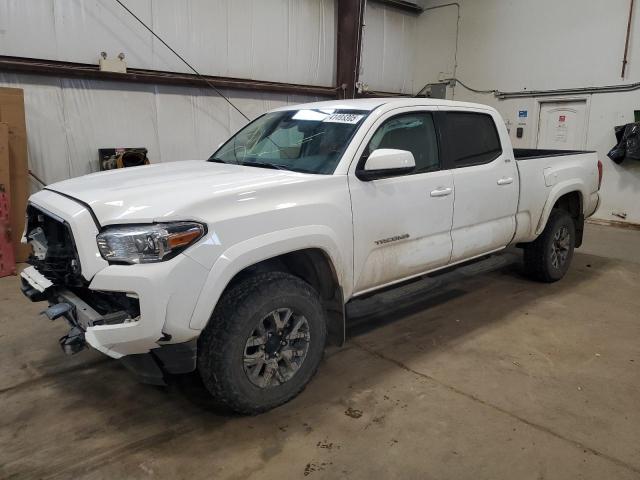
223 343
539 255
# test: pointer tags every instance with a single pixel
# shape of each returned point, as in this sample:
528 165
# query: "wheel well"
314 267
572 203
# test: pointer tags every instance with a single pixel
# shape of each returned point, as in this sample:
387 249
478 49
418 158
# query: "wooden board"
7 257
12 113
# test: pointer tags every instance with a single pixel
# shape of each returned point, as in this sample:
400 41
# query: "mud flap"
336 320
144 368
579 222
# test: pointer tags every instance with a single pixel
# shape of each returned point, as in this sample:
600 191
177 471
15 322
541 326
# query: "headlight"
147 243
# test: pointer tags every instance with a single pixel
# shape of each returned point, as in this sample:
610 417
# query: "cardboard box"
12 113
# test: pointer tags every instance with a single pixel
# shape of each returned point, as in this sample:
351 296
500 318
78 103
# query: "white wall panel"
312 41
278 40
547 44
198 30
435 50
621 183
174 137
84 28
69 119
27 29
100 114
46 128
403 51
388 49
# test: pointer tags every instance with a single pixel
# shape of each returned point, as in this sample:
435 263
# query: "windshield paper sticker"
343 118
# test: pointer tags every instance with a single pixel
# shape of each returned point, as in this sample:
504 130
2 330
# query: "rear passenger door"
485 181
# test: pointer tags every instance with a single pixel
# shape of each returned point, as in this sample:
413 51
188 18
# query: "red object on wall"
7 259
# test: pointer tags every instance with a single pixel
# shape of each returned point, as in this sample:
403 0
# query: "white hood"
165 190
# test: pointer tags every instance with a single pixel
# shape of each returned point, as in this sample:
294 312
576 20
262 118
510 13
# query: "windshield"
310 141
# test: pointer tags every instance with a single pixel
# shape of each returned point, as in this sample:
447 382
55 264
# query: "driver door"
402 224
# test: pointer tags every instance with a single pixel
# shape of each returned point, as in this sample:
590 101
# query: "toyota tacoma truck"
239 267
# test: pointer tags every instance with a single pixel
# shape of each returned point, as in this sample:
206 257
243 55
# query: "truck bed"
541 172
530 153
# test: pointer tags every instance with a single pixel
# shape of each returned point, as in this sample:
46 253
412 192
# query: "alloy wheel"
560 247
276 348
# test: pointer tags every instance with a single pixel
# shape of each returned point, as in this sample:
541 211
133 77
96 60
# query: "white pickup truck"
240 266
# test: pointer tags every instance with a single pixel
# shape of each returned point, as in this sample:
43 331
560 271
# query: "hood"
165 191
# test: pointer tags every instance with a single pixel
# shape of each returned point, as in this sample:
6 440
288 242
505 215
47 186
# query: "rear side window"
472 138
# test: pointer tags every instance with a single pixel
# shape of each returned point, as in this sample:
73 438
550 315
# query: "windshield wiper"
250 164
216 160
265 165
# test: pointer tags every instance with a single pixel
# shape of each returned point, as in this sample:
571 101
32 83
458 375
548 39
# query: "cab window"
472 138
414 132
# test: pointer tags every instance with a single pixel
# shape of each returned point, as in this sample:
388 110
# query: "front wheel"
548 257
263 343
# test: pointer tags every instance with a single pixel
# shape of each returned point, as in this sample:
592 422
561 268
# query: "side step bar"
417 289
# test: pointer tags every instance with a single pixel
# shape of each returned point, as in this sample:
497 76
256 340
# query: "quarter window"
414 132
472 138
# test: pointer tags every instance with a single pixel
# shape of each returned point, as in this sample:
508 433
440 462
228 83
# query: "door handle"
441 192
505 181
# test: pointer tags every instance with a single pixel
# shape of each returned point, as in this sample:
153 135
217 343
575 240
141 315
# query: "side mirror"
386 162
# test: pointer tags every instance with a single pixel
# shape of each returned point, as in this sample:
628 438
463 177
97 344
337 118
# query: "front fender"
263 247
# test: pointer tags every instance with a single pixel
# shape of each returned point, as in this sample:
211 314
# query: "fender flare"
254 250
556 192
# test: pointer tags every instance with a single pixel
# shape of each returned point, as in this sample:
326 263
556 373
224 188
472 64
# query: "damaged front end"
108 319
55 276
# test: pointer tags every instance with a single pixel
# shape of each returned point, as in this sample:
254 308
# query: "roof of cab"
369 104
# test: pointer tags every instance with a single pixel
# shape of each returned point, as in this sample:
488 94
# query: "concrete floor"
494 377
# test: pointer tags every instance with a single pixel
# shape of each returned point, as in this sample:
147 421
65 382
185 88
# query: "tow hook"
73 342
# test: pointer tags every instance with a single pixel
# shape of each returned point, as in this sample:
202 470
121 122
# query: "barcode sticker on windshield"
343 118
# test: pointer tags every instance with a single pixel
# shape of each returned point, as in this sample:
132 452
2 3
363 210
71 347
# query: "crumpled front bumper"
66 304
149 367
167 293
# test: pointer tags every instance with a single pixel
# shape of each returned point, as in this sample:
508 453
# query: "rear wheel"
548 257
263 343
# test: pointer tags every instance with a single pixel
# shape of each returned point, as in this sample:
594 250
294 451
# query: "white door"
562 125
402 224
486 183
